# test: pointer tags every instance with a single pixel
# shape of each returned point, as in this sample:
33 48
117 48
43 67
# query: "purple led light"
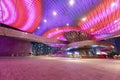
65 13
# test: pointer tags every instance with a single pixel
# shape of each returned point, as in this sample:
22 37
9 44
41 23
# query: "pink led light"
31 14
9 14
104 13
107 36
22 14
57 32
110 28
54 33
61 37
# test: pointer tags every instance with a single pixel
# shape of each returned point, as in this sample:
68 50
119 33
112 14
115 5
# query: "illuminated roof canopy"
53 18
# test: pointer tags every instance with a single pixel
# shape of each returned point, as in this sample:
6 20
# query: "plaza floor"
57 68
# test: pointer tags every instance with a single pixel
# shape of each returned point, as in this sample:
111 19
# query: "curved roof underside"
52 18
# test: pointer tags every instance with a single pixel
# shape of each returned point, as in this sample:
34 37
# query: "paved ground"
52 68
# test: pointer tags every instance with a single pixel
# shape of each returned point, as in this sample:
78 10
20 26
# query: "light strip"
31 14
104 13
8 15
110 28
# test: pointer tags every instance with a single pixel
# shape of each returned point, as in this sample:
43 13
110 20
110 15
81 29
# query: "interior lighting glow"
67 24
116 21
104 53
98 51
58 38
54 13
92 30
49 34
84 19
69 53
113 4
38 28
68 48
45 20
112 46
57 29
71 2
76 52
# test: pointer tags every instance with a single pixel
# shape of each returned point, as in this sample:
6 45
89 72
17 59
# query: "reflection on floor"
56 68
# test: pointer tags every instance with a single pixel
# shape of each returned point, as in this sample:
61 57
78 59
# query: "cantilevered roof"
53 18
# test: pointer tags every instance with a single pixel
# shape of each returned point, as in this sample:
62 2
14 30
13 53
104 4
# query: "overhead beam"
26 36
